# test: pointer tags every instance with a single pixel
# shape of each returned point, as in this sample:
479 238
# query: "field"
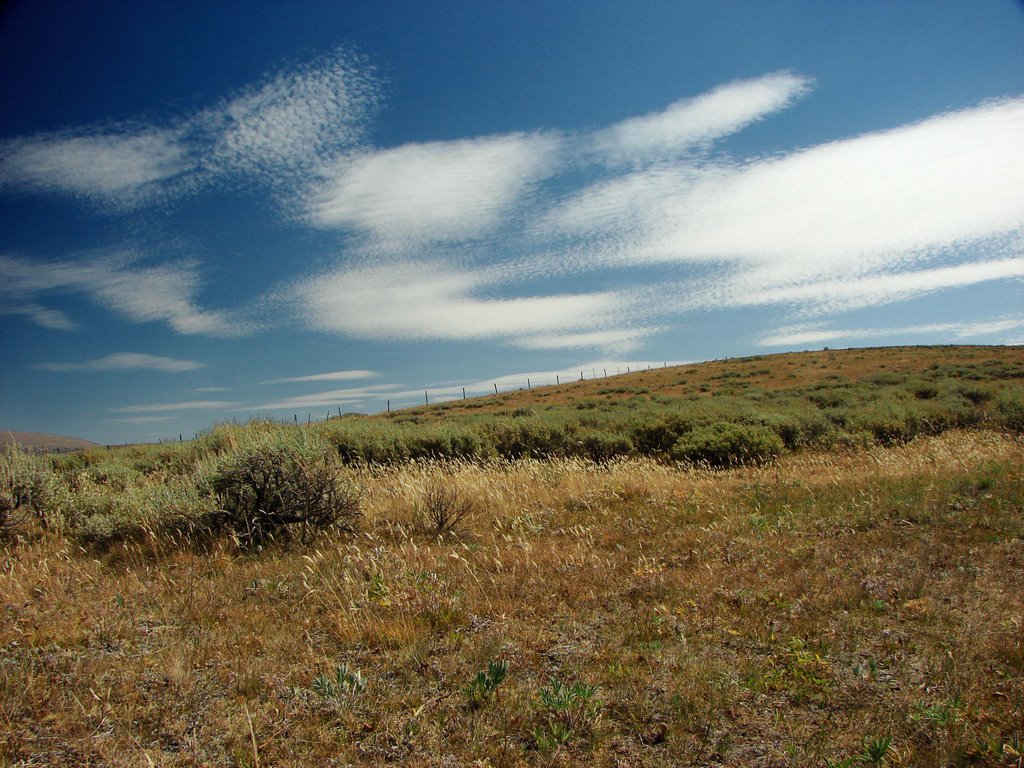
795 560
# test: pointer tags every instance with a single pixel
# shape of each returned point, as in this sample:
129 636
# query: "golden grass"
778 616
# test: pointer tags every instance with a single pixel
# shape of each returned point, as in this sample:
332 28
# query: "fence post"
389 406
426 400
556 379
528 385
463 393
495 387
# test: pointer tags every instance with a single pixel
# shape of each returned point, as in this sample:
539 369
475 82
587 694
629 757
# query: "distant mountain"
37 441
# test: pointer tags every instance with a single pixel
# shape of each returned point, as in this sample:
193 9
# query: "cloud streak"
277 133
140 293
331 376
126 361
414 300
700 120
809 335
434 191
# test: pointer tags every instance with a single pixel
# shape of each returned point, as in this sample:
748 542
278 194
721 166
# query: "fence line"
450 394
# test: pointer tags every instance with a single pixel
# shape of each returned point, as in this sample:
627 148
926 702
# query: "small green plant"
484 685
876 749
346 684
942 714
569 712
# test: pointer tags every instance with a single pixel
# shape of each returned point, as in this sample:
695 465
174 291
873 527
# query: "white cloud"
126 361
165 292
296 120
619 340
193 405
952 179
277 133
139 419
42 316
835 295
329 399
122 165
332 376
411 301
712 115
435 191
804 335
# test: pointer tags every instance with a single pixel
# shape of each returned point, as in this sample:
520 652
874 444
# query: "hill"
44 443
793 560
769 373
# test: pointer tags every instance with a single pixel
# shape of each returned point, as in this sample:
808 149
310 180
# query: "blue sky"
210 211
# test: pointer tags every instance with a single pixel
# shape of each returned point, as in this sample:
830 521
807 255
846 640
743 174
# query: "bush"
443 508
172 509
26 487
528 438
1010 410
267 488
604 446
728 445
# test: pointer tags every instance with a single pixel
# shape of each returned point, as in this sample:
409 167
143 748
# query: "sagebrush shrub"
26 487
728 445
443 508
266 489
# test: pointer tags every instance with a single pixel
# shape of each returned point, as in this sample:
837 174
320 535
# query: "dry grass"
787 615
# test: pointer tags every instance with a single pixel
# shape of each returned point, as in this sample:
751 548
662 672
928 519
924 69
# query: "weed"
568 712
346 684
482 688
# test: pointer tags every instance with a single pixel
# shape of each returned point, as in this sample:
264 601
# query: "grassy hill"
794 560
41 442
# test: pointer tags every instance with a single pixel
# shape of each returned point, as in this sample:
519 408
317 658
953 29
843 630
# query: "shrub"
654 437
172 509
443 508
1010 410
528 438
26 487
603 446
267 488
727 445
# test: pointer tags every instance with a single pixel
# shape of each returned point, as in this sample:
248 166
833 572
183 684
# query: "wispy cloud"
141 293
126 361
999 329
138 419
191 405
435 191
436 301
42 316
614 340
331 376
329 399
700 120
296 120
115 165
276 133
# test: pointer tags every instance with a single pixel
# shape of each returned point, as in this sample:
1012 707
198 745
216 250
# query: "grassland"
850 595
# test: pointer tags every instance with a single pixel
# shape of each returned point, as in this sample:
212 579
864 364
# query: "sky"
220 211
